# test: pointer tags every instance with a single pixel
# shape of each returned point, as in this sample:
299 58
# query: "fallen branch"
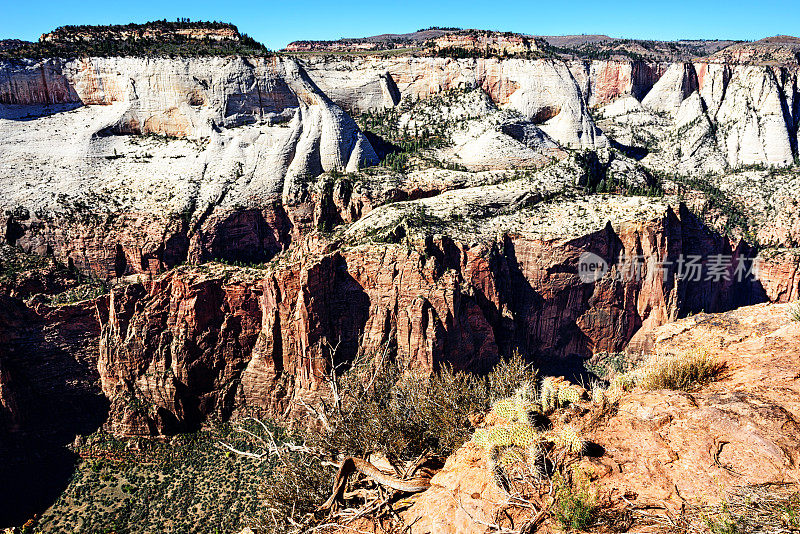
351 465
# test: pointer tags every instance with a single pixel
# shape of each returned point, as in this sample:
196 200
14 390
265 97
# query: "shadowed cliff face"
49 393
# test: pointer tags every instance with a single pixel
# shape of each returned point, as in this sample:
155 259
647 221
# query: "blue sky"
276 23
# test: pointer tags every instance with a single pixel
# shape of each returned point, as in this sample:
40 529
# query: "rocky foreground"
250 213
663 450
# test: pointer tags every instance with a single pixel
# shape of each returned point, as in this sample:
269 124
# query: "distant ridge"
157 38
432 41
776 50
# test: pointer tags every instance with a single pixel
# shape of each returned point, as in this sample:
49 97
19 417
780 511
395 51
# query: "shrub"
508 376
403 415
573 508
794 312
293 492
670 371
91 289
372 407
605 365
724 522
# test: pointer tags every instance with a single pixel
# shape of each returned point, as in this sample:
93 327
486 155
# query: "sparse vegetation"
760 508
605 365
394 145
180 484
456 52
402 415
295 489
718 203
14 263
373 407
90 289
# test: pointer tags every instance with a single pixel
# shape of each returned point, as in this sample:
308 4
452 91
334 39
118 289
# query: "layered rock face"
780 275
261 127
729 115
208 341
602 82
215 31
543 91
486 42
148 203
716 117
176 97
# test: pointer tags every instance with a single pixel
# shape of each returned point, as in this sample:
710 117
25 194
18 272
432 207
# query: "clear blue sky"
276 23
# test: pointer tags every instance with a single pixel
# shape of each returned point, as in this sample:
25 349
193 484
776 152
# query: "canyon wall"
210 341
543 91
602 82
183 97
751 112
759 116
746 113
116 203
236 180
49 394
48 361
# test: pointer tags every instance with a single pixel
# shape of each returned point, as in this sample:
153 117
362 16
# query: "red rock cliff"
207 340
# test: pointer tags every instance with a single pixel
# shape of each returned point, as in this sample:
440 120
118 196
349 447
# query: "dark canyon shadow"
545 323
50 394
343 312
248 236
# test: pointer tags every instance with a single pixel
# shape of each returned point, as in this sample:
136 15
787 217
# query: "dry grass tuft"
763 508
671 371
683 372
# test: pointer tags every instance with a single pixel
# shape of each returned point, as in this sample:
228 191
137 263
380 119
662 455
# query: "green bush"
573 508
91 289
671 371
724 522
683 372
